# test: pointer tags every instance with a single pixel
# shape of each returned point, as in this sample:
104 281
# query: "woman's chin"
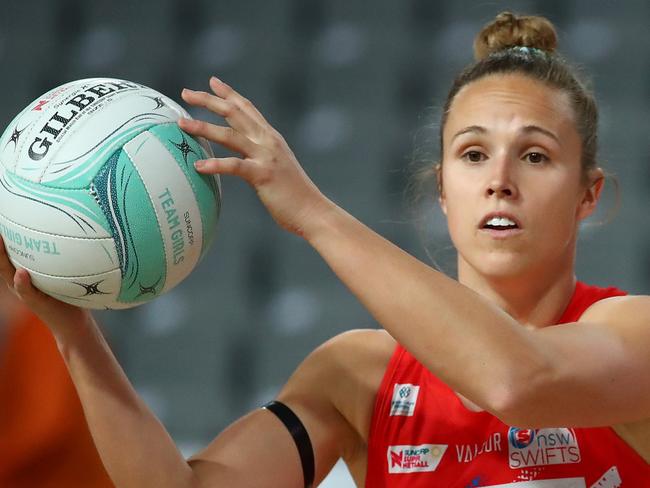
501 265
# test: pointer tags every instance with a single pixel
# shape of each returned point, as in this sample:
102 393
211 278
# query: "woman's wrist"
322 221
70 332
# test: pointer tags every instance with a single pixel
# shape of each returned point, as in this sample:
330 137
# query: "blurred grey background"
355 87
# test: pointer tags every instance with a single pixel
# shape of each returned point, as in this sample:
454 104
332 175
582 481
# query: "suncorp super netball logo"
542 447
414 459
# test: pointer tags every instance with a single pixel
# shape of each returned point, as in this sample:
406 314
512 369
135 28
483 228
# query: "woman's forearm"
467 342
134 446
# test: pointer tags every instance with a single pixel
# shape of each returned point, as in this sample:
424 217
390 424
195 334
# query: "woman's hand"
60 317
266 162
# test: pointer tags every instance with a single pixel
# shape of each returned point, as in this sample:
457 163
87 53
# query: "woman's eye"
473 156
535 157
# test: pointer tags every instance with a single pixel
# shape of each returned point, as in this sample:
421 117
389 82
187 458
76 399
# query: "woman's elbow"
520 401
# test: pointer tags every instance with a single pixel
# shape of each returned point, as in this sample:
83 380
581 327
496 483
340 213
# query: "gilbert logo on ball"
99 198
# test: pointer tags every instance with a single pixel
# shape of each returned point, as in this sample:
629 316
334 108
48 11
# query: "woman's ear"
592 193
441 193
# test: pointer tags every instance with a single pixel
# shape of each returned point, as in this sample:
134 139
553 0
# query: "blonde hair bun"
509 30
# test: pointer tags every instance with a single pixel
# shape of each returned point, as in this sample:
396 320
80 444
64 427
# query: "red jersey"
422 435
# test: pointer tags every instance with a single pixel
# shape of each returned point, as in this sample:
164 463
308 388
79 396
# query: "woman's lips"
501 233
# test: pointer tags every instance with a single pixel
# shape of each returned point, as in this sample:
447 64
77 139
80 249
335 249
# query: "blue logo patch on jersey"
520 438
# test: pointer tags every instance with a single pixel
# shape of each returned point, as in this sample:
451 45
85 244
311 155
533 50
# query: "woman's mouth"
500 226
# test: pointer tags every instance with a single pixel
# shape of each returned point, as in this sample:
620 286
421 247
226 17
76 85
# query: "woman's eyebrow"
535 128
477 129
527 129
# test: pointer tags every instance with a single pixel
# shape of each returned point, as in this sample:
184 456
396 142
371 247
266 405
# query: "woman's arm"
132 443
468 342
600 372
136 449
593 372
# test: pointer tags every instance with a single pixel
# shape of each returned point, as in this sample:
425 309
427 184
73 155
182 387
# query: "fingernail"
199 164
214 78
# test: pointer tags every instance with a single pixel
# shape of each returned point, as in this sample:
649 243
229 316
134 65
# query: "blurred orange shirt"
44 439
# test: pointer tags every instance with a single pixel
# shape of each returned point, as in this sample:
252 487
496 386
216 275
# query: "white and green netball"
99 198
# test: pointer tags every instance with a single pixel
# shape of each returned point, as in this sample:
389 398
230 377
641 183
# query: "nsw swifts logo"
521 438
414 459
542 447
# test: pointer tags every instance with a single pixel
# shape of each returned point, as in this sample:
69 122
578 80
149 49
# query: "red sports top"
422 435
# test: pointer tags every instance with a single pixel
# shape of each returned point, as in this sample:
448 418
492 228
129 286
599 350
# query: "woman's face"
511 178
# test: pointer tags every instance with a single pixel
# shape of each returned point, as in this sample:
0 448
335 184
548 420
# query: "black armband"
300 437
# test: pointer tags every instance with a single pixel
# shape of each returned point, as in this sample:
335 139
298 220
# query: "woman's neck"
536 299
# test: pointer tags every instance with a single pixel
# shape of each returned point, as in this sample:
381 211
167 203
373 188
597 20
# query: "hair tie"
529 51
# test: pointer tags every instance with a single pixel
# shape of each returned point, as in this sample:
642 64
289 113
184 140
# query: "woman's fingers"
17 280
225 91
266 163
23 284
28 292
7 269
247 169
226 136
55 313
238 118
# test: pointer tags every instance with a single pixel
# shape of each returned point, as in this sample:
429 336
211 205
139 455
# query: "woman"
468 385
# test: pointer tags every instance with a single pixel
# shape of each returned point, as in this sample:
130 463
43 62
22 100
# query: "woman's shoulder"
346 370
354 362
618 307
353 365
359 347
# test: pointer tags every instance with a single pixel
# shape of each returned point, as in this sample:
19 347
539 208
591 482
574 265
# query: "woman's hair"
525 45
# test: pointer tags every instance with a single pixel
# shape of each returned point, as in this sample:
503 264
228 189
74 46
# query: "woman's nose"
502 180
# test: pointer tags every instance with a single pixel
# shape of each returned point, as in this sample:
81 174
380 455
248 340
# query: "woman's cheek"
458 224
